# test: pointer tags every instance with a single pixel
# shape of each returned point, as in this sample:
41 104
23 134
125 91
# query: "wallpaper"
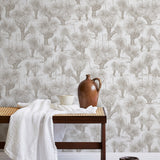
47 47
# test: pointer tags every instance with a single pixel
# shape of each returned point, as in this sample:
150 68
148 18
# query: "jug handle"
100 83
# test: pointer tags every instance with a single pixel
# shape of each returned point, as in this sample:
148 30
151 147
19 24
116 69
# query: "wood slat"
71 145
79 119
78 145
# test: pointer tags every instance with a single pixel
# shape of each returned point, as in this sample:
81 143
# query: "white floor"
96 156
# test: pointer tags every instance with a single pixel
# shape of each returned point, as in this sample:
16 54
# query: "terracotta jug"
88 92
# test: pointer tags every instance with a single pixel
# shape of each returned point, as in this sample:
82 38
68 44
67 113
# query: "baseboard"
109 156
79 156
96 156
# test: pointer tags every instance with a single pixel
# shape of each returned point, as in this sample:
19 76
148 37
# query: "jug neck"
88 76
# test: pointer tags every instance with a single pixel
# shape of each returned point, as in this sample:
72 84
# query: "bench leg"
2 144
103 140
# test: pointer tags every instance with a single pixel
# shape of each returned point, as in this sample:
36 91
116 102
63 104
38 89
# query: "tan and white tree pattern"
47 47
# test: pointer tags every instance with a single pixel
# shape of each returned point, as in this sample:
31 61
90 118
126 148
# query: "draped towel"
31 133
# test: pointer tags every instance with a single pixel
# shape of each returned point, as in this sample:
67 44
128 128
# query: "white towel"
30 133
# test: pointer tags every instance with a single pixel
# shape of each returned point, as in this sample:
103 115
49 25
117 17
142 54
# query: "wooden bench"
98 117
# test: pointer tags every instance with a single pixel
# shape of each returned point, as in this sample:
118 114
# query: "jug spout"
88 76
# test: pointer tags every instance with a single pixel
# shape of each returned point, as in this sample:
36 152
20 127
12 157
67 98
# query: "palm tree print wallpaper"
47 47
